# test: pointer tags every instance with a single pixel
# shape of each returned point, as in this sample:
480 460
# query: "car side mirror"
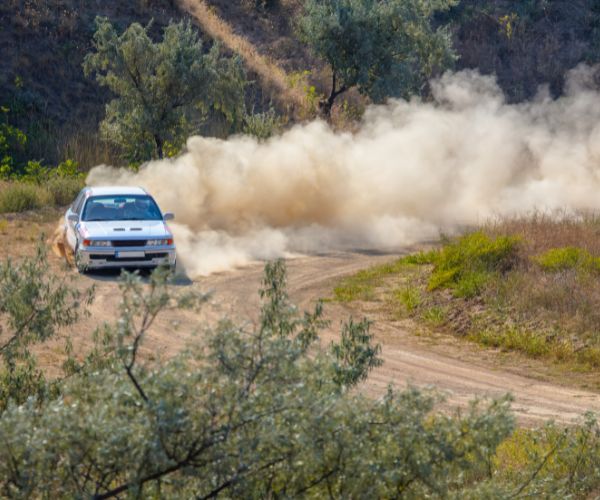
73 218
168 216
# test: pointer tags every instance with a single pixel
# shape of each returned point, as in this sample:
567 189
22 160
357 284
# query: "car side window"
78 203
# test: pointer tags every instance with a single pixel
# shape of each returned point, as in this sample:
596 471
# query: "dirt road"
459 369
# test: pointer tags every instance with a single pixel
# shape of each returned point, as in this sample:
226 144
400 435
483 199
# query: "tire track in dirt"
457 369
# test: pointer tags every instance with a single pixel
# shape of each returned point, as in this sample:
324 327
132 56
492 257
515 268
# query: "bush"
34 305
18 196
466 264
562 259
21 196
251 411
569 458
38 186
63 191
263 125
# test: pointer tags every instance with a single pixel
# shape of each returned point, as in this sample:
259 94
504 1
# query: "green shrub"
435 315
421 258
35 173
69 169
410 296
263 125
466 264
514 340
562 259
471 283
20 196
554 461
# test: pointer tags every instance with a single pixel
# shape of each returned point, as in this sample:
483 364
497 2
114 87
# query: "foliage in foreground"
34 304
254 411
246 411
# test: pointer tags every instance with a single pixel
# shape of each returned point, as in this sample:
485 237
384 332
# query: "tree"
384 48
263 410
11 139
249 411
165 90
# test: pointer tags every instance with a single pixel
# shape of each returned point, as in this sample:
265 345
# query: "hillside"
526 44
43 44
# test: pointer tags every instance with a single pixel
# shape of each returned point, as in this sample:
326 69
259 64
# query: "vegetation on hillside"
528 284
526 44
164 91
31 185
41 78
258 410
385 49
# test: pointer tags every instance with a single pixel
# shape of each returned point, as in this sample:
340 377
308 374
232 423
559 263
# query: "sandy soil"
460 370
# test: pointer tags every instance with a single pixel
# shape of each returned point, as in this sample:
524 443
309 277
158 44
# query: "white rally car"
116 227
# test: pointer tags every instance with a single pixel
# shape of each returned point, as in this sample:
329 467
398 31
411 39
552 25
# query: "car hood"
123 229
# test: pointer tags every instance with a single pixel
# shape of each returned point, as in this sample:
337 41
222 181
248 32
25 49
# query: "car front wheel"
80 267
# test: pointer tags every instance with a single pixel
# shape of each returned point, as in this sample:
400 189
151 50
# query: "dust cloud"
411 170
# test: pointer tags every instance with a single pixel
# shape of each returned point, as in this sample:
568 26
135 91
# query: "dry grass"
559 304
21 196
542 231
548 312
86 148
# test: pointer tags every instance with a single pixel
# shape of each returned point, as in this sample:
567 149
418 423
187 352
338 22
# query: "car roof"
115 190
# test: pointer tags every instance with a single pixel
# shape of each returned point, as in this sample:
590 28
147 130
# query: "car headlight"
159 243
97 243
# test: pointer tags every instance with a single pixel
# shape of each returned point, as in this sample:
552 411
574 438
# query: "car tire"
80 268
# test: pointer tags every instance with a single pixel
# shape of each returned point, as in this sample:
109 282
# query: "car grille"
112 258
129 243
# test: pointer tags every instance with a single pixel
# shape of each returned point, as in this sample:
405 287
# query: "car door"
71 226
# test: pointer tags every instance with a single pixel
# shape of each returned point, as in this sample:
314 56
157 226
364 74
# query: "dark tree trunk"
158 140
327 104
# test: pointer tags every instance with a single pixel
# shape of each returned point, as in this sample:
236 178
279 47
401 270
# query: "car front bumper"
106 258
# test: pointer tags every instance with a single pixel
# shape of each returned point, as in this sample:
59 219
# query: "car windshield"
128 207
